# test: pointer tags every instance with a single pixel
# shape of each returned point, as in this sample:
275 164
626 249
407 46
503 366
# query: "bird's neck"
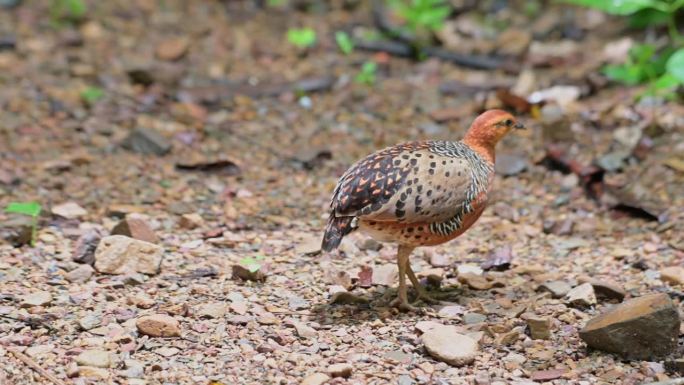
483 147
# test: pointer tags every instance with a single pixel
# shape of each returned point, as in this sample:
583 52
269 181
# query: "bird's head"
491 126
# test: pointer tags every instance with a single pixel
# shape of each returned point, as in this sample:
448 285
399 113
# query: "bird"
420 193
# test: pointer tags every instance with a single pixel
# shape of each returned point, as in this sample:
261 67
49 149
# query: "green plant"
31 209
91 95
367 73
422 14
662 68
301 37
68 10
344 42
253 264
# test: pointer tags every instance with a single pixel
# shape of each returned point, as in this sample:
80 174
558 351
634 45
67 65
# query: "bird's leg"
422 293
403 253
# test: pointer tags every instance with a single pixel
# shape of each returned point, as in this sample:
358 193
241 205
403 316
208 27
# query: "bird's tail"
336 229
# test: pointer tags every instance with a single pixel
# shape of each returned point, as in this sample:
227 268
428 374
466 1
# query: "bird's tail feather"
336 229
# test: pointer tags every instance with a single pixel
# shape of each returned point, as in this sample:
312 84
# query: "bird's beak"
519 126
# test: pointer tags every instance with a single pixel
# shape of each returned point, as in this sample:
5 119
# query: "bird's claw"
403 305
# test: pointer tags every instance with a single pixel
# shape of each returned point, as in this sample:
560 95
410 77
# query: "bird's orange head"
490 127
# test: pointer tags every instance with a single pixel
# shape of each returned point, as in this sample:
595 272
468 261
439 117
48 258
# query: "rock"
81 274
158 325
368 244
134 369
347 298
642 328
473 281
582 296
69 210
510 164
165 351
117 254
469 269
297 303
39 298
84 249
147 142
191 221
315 379
605 288
540 328
305 331
405 379
172 49
674 275
212 310
547 375
93 372
398 356
135 228
340 370
385 275
473 318
558 289
424 326
439 260
17 230
444 343
96 358
90 321
451 311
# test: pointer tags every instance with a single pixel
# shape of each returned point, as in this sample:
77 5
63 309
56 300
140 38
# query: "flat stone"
69 210
439 260
212 310
134 369
642 328
582 296
147 141
304 330
191 221
90 321
95 358
558 289
81 274
451 311
473 281
446 344
540 328
158 325
39 298
385 275
398 356
315 379
424 326
93 372
118 254
135 228
473 318
605 288
674 275
340 370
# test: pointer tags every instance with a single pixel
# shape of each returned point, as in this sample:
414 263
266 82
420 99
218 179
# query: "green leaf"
301 38
92 94
648 17
25 208
620 7
367 73
69 9
252 264
675 65
624 73
344 42
666 82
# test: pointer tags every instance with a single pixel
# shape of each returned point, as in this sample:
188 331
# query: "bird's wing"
412 182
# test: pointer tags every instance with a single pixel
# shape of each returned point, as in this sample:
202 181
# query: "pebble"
84 249
118 254
81 274
212 310
582 296
158 325
95 358
405 379
674 275
469 269
93 372
605 288
147 142
90 321
558 289
540 328
424 326
134 369
304 330
473 318
315 379
451 311
439 260
172 49
69 210
643 328
385 275
39 298
191 221
446 344
473 281
340 370
135 227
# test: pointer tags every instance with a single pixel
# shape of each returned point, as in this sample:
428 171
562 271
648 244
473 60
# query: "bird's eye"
508 122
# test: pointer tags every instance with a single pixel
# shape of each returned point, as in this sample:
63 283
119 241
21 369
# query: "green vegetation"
367 73
252 264
67 10
301 37
422 14
31 209
344 42
91 95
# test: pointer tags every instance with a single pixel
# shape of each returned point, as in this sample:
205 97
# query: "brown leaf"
366 276
240 272
511 100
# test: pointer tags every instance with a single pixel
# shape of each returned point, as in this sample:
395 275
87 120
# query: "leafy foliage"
344 42
301 37
69 10
367 73
31 209
252 264
91 95
418 14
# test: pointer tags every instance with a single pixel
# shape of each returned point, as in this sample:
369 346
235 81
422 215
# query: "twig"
34 365
673 381
31 322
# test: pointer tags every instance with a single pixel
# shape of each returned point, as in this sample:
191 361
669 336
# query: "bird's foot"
403 305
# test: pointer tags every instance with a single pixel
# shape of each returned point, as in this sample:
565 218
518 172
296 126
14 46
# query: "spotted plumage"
418 193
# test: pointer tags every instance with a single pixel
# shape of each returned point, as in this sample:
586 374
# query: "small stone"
96 358
39 298
147 142
439 260
173 49
540 328
191 221
84 249
582 296
547 375
469 269
398 356
340 370
212 310
81 274
558 289
305 331
90 321
134 369
347 298
93 372
158 325
315 379
369 244
405 379
117 254
167 351
385 275
473 281
446 344
297 303
605 288
451 311
674 275
474 318
424 326
69 210
643 328
17 230
135 228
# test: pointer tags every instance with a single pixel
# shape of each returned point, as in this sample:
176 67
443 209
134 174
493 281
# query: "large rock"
446 344
117 254
674 275
158 325
642 328
581 296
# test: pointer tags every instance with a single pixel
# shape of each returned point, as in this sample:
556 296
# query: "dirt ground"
257 160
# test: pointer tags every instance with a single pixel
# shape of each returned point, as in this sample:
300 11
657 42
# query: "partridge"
420 193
